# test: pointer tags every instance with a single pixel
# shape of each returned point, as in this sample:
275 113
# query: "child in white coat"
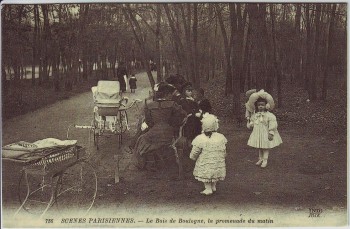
209 152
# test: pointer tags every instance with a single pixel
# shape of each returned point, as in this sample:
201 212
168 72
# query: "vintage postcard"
174 114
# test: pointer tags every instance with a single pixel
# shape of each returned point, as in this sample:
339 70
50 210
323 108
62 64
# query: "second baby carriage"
109 110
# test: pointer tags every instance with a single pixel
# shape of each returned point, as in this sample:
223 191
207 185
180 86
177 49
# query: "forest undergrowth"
327 117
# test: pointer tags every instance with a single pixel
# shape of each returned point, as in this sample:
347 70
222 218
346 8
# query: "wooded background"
253 45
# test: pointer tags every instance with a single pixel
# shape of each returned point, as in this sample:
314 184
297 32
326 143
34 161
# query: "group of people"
122 75
165 112
175 101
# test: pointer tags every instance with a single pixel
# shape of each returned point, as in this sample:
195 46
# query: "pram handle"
82 127
135 101
78 127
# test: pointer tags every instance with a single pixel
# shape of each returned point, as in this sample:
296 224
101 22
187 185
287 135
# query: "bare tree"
329 50
139 38
35 41
276 73
228 46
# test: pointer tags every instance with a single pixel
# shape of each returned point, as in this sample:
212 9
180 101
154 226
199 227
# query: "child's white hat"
250 105
250 92
209 123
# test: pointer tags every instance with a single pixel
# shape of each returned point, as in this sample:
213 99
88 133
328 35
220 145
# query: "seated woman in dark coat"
162 117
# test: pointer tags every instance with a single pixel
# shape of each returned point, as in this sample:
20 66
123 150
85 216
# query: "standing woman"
203 103
162 116
121 72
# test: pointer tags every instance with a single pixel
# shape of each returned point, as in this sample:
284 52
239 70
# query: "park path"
281 192
53 120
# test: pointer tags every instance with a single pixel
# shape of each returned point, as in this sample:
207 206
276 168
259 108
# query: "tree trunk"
307 71
258 61
56 69
35 42
228 47
214 51
188 54
195 48
329 50
4 80
276 73
178 44
316 65
139 39
46 36
158 48
83 23
297 73
104 69
246 63
268 80
236 59
241 45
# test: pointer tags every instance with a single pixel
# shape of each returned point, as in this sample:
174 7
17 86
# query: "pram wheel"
73 189
96 135
34 192
77 189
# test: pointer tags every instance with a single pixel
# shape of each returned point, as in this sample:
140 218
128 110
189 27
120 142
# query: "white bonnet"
209 123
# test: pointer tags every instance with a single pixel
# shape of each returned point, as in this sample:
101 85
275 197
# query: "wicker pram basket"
56 159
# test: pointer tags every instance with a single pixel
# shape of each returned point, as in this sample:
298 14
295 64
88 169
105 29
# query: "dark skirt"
158 136
122 83
132 84
192 128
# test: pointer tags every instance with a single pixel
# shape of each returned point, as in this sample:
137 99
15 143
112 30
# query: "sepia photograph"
124 114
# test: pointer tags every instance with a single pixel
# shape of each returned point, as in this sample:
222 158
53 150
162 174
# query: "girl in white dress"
264 135
209 152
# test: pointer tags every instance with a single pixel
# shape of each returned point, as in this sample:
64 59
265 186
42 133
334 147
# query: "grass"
23 97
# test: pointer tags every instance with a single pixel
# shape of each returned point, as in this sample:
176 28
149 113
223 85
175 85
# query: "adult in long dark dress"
162 116
153 96
203 103
121 71
193 125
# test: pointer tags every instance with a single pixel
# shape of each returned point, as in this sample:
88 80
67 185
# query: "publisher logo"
315 212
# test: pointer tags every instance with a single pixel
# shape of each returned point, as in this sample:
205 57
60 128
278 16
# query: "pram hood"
106 92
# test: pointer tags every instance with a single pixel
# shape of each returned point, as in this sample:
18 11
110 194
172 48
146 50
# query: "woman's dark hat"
166 88
186 86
